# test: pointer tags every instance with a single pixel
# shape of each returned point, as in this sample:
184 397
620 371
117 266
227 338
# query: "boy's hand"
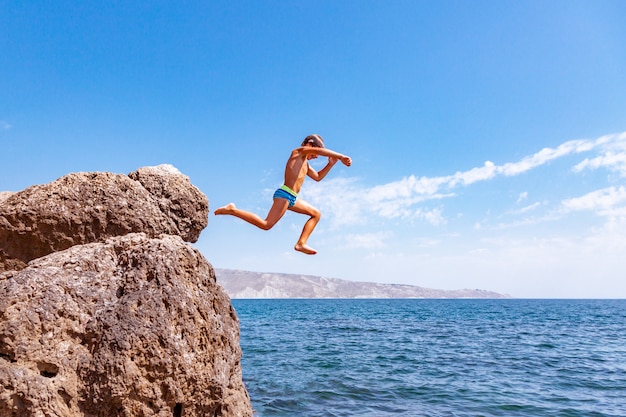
346 160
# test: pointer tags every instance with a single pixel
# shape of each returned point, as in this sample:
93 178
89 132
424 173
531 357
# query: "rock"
105 310
133 326
5 194
176 197
81 208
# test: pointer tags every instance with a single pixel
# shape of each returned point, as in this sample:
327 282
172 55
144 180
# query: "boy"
286 197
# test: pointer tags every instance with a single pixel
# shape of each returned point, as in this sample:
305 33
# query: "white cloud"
340 198
426 187
367 240
548 154
486 172
347 201
604 202
610 160
612 155
4 125
527 208
433 217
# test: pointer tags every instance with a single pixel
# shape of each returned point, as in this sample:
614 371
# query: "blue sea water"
434 357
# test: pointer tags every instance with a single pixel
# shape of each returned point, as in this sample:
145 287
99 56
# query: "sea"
427 357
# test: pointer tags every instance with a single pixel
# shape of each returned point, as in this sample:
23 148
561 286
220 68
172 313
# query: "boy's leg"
303 207
278 209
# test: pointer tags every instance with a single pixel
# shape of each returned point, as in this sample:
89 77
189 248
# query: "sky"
488 138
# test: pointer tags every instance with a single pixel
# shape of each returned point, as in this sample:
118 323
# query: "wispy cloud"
347 201
527 208
547 155
367 240
607 201
4 125
612 156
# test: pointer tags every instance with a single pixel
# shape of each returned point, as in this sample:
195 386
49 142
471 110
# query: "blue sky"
487 137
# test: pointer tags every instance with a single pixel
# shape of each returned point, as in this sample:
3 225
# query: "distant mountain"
247 284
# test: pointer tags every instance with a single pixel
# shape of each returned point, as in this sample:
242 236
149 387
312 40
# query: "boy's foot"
305 249
227 209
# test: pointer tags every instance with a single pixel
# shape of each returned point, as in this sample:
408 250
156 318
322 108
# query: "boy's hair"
313 140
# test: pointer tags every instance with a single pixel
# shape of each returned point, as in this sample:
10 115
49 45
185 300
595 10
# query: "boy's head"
313 140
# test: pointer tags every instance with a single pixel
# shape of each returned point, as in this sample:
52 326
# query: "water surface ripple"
434 357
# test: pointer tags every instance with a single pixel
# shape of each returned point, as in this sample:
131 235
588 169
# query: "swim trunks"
286 193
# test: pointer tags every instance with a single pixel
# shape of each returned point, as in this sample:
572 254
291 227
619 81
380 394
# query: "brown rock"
5 194
81 208
134 326
176 197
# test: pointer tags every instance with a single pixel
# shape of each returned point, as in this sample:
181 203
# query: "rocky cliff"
81 208
105 310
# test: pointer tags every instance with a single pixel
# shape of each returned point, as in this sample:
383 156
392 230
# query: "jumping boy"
286 197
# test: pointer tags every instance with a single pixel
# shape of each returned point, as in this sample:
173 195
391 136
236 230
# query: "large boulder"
133 326
83 207
176 197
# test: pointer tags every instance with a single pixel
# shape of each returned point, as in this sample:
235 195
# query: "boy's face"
308 157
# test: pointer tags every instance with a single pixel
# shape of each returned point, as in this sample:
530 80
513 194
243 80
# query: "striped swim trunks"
286 193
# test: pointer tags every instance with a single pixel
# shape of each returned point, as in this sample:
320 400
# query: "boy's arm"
318 176
309 150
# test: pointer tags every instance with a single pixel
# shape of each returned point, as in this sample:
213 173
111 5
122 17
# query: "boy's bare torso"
296 170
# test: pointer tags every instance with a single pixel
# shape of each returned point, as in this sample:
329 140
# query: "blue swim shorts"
286 193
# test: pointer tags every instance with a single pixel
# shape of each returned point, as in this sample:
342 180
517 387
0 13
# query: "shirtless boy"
286 197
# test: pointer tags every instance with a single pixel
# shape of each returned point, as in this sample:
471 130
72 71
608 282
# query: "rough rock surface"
5 194
105 310
133 326
81 208
176 197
